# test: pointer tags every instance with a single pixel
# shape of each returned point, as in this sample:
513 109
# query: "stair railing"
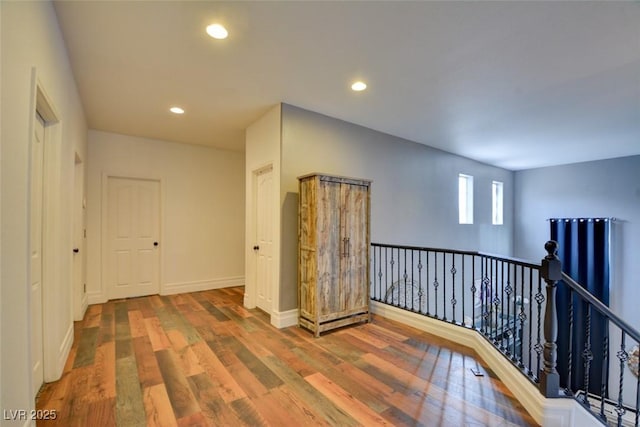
504 300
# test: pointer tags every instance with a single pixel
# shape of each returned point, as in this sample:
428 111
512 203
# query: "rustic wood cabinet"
333 245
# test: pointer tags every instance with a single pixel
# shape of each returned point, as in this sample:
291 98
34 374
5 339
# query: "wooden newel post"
551 272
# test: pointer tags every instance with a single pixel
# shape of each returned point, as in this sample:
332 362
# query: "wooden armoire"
333 245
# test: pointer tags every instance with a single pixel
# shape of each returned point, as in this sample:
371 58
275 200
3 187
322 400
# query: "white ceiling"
515 84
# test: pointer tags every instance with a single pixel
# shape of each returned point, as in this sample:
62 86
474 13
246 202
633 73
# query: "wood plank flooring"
201 359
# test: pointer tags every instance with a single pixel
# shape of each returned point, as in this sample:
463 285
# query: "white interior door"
79 274
264 239
133 230
37 173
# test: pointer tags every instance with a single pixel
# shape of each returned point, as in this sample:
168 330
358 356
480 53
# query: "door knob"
155 243
76 250
255 248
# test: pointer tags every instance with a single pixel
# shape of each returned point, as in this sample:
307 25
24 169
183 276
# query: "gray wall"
607 188
414 198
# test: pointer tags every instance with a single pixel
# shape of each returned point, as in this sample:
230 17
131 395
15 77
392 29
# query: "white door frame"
51 229
80 300
104 236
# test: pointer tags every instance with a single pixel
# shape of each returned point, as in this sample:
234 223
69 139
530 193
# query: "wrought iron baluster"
530 320
463 290
605 371
485 296
391 264
514 326
570 344
512 320
473 291
522 317
398 276
435 282
420 291
623 356
503 331
404 278
453 287
538 347
444 286
496 300
380 273
428 282
412 282
587 355
375 271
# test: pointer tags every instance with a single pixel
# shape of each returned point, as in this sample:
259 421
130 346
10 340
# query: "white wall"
31 38
414 195
202 209
262 149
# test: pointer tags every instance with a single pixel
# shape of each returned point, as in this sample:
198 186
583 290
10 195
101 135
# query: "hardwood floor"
201 359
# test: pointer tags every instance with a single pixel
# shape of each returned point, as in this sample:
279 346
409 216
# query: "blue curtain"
583 248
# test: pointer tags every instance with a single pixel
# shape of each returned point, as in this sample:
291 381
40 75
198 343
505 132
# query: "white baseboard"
248 302
547 412
65 348
179 288
63 355
201 285
96 298
284 319
83 307
85 303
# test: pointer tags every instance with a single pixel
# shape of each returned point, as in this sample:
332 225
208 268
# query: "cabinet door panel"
355 234
307 283
307 212
330 299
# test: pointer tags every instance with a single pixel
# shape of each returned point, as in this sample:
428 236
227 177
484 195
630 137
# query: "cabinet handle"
345 246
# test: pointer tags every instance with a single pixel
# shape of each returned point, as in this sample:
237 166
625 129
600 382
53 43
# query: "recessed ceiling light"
359 86
176 110
217 31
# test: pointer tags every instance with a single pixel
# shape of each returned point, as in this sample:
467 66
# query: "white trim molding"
200 285
284 319
83 305
546 412
96 298
249 302
63 354
180 288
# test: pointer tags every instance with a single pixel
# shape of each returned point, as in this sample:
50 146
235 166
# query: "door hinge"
85 233
84 288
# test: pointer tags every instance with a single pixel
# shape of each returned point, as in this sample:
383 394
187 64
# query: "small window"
465 199
497 202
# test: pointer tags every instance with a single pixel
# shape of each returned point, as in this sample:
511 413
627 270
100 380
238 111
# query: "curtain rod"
612 219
